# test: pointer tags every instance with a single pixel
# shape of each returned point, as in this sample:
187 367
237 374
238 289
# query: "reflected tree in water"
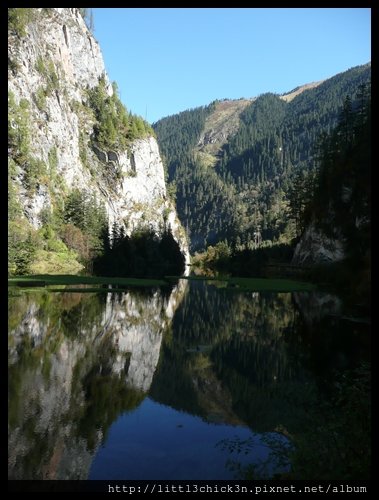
75 365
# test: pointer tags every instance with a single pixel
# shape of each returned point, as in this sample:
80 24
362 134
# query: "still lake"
194 381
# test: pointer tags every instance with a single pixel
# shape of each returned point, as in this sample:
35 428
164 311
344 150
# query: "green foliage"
40 99
18 129
18 19
336 197
208 209
35 169
13 65
83 149
40 66
142 255
255 262
107 396
89 217
83 211
259 170
87 214
252 153
42 251
68 279
53 162
115 128
14 208
24 104
341 199
220 254
336 443
47 69
56 245
22 239
75 230
299 196
52 78
60 260
333 440
21 247
178 134
76 240
171 191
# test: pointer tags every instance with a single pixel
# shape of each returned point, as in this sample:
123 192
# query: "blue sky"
166 60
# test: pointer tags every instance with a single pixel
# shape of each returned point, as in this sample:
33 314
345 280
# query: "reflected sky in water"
158 442
193 382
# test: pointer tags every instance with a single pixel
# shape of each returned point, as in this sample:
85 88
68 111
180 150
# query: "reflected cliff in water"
168 383
76 362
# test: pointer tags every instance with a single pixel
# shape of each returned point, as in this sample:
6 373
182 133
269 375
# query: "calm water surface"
194 382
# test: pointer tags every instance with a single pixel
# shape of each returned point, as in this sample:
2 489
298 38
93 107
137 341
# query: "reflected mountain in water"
225 372
227 359
253 359
76 361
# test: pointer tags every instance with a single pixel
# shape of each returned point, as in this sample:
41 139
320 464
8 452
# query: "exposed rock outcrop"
52 67
220 125
315 247
314 306
117 345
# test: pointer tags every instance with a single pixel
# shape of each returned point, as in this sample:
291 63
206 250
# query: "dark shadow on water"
211 384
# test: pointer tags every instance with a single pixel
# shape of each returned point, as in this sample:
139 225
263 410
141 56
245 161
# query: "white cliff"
137 329
51 69
315 247
54 368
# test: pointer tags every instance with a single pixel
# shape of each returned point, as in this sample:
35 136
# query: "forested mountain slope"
237 183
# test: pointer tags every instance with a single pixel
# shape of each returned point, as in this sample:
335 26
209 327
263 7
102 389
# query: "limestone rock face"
51 68
116 346
316 248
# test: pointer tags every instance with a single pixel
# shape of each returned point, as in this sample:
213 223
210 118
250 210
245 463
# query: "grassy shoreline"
254 284
43 280
98 283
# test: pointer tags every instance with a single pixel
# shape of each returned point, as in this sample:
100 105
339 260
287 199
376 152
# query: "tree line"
335 198
251 189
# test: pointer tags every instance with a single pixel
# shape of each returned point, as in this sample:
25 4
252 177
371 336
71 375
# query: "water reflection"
167 384
230 353
76 362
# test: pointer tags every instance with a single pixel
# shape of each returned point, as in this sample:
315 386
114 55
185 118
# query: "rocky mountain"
235 163
69 131
315 247
70 378
224 121
288 96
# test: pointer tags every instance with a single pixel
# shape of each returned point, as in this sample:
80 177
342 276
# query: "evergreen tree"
259 169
